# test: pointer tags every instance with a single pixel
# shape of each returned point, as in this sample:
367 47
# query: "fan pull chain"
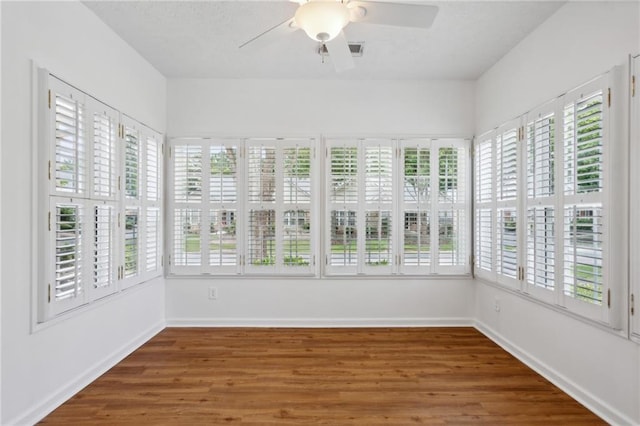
323 49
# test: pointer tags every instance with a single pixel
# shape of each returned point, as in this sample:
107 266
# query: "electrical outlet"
496 305
213 293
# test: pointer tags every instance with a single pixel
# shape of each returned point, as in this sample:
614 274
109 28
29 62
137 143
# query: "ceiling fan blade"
272 34
397 14
340 53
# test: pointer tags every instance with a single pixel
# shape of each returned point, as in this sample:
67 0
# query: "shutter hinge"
609 298
326 152
161 260
49 221
49 169
633 309
162 148
609 97
326 260
633 85
119 178
49 293
49 99
118 220
169 260
472 260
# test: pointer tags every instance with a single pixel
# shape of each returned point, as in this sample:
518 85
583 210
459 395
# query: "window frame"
102 236
242 208
608 312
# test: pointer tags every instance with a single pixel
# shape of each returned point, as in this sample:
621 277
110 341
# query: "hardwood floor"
188 376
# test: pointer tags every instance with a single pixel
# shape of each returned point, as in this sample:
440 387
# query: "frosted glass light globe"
322 20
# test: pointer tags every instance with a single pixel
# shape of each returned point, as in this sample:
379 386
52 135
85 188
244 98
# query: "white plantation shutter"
69 154
540 159
584 130
342 202
279 204
484 205
142 202
507 190
262 192
69 275
378 206
104 247
297 248
224 159
452 204
103 191
415 208
105 171
153 243
151 204
242 207
188 214
554 232
132 242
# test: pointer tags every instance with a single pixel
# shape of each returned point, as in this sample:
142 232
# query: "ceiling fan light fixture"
322 20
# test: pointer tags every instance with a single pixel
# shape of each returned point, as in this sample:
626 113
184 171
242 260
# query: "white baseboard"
593 403
75 385
320 322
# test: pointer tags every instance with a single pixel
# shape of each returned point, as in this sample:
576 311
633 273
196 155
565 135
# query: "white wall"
197 107
580 41
283 107
43 368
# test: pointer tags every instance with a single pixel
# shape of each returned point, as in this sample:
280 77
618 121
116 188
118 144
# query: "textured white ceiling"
200 39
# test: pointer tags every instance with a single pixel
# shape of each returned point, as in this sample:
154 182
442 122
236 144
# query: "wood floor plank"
382 376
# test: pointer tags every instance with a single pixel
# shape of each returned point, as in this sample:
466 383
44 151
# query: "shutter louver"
152 246
103 246
583 253
70 149
104 156
223 245
452 220
484 197
152 168
541 247
187 176
378 194
507 161
223 198
507 258
131 242
583 123
132 164
484 239
68 252
416 206
296 218
187 237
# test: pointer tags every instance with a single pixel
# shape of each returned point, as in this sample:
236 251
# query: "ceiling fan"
324 21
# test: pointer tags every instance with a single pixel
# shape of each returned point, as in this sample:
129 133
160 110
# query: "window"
243 206
250 207
551 189
92 237
376 230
